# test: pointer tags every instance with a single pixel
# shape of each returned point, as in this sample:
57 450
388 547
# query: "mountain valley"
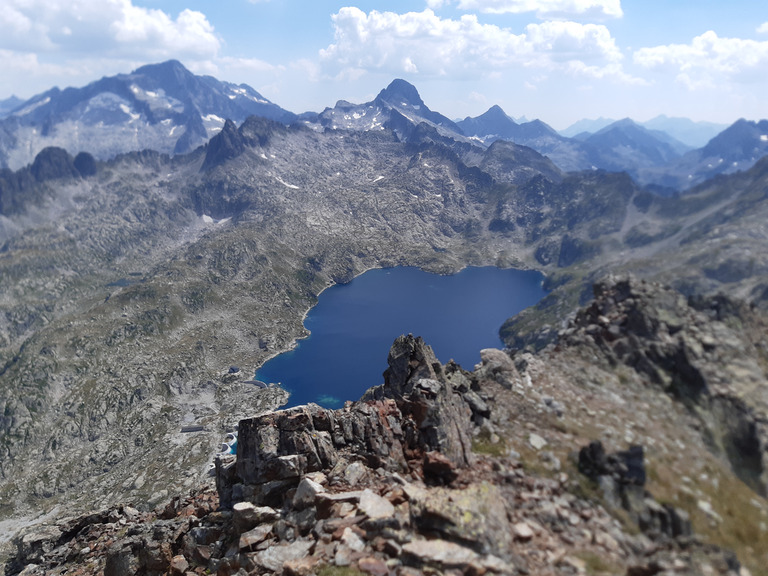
139 286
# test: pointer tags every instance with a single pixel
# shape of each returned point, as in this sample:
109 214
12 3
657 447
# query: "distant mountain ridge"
737 148
693 134
163 107
166 108
651 156
619 146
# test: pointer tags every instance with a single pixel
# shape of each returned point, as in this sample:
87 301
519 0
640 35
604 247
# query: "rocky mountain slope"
508 469
138 294
138 287
131 292
162 107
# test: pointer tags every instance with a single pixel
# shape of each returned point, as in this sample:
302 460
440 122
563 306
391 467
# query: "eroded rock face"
703 352
417 415
621 479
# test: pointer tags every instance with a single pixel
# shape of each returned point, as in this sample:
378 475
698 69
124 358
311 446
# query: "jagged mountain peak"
398 108
496 114
400 92
227 144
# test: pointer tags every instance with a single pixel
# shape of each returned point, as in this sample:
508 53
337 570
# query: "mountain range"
138 287
166 108
692 134
162 107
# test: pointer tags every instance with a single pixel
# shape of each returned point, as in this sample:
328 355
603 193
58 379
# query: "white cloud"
598 9
478 97
27 64
763 28
235 69
433 46
709 61
107 28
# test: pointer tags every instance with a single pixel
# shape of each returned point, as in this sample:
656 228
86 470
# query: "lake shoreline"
487 288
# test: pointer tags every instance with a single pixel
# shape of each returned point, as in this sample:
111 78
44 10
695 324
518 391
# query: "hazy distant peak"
167 66
496 114
9 104
626 122
587 125
744 139
400 92
623 124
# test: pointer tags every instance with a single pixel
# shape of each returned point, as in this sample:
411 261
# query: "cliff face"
509 469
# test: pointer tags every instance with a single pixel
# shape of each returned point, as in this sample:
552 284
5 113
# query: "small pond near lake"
353 326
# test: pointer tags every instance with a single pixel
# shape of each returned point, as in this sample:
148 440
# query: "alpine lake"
353 326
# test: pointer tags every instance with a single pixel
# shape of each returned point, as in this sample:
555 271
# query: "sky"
556 60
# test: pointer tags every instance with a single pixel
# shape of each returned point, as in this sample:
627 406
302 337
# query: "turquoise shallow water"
353 326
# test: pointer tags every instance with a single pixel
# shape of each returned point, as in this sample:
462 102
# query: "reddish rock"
373 566
301 567
179 566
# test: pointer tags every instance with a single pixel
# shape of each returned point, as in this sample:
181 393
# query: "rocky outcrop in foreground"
412 479
708 353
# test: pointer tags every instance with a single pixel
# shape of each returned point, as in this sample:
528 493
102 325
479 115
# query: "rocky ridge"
132 291
415 478
710 354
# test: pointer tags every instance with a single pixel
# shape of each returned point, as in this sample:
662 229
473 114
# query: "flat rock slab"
248 540
475 514
374 506
441 552
274 557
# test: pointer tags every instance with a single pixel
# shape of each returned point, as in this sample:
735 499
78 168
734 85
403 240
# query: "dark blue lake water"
353 326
